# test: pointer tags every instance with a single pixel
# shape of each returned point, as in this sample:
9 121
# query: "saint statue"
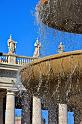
37 49
61 48
11 45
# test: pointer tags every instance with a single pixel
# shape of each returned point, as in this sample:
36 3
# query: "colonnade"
36 110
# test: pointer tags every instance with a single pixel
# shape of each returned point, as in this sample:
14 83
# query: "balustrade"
15 59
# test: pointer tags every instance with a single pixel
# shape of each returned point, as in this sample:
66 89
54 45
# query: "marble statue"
60 48
11 45
37 46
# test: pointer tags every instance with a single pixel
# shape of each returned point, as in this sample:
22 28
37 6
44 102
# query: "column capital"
10 93
36 96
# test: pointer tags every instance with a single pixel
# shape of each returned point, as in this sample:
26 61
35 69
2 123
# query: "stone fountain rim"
51 57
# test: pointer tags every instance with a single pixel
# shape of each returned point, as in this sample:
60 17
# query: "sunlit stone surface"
10 108
62 114
36 117
65 15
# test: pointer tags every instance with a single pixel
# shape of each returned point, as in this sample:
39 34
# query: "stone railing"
15 59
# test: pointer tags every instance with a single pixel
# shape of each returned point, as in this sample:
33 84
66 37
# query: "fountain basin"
51 77
65 15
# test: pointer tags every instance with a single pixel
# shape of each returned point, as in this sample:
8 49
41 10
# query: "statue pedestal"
11 59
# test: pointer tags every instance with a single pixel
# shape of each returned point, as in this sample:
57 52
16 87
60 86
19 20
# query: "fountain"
64 15
54 82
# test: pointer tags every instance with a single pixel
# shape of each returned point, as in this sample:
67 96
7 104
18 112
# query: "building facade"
10 64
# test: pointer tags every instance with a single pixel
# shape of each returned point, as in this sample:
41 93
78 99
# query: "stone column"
36 115
81 122
76 116
81 116
1 110
78 119
11 59
62 114
26 109
52 112
10 108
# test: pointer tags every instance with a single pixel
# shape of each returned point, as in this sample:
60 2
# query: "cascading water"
61 14
53 83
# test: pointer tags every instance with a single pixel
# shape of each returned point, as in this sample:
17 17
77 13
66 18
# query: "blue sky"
17 18
45 115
